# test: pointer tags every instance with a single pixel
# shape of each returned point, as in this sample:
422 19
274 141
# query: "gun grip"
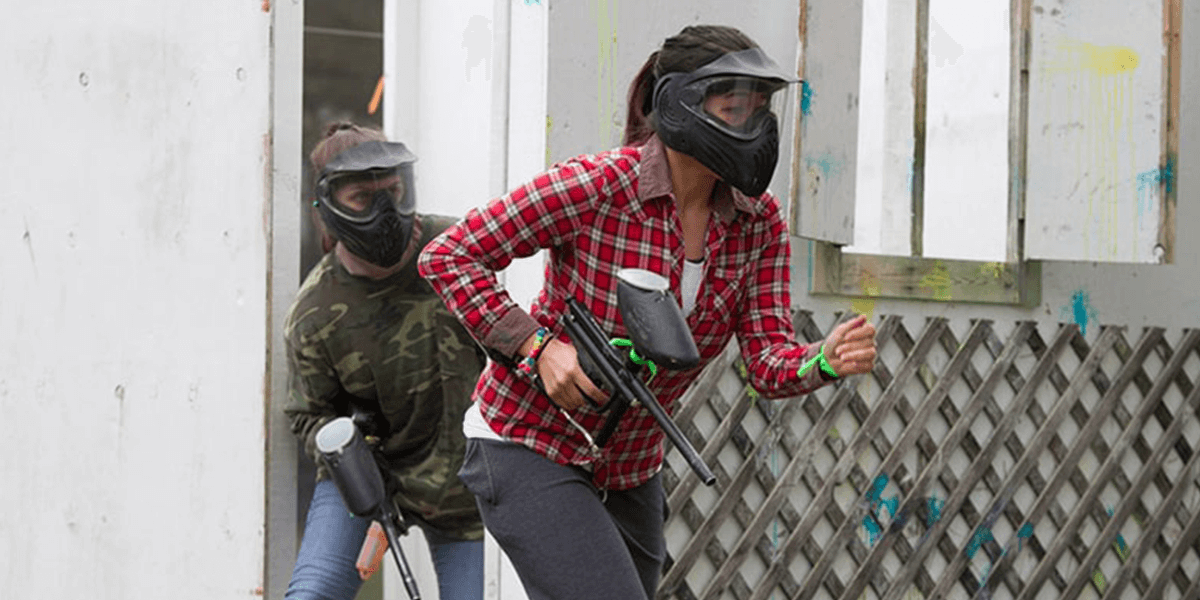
588 366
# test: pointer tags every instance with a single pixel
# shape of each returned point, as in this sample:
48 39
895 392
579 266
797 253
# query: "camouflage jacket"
388 346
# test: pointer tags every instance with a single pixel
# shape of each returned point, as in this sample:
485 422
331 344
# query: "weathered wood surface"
1031 465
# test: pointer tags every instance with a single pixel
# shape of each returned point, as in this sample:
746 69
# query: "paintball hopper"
656 325
352 466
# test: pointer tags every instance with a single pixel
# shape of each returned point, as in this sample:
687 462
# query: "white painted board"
824 174
1095 159
134 221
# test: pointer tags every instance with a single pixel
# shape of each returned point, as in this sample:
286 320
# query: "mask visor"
738 105
359 197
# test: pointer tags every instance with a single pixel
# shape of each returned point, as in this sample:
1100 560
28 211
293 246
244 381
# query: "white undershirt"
693 272
474 425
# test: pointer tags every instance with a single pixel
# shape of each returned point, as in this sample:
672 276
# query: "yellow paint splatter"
549 128
992 270
938 281
607 99
1103 60
1097 96
870 287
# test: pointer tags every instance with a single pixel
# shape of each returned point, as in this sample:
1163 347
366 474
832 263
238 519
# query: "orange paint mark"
266 5
375 97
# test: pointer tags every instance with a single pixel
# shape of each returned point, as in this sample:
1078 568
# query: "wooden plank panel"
847 461
1096 130
1030 454
878 276
1086 436
1046 429
916 427
897 446
800 457
1153 529
959 493
729 495
1104 474
1103 542
823 172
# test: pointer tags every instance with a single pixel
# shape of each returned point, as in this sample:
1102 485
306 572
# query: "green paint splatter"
938 282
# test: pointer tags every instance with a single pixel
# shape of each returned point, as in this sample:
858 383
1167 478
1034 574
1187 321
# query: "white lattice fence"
978 460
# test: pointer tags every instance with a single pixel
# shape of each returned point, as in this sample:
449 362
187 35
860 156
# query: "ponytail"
640 103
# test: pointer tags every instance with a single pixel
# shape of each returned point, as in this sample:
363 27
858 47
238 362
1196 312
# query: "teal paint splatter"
826 163
1026 531
1080 310
806 95
1147 184
935 511
876 502
874 531
981 537
1122 547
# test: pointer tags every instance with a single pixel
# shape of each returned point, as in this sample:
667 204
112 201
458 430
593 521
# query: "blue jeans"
325 568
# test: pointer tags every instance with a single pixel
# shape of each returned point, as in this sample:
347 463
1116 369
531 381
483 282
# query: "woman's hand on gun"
563 379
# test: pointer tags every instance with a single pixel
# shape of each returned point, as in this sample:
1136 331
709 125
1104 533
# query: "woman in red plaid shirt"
684 197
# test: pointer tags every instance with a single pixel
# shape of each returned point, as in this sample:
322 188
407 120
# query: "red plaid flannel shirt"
597 214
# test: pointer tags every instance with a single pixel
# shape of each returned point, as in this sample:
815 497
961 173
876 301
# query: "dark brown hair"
688 50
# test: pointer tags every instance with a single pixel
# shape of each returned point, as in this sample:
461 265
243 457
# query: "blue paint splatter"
935 511
806 94
982 535
826 163
1122 547
1080 310
876 503
1147 181
874 531
532 2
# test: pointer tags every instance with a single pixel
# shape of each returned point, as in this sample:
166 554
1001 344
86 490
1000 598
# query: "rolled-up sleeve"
461 263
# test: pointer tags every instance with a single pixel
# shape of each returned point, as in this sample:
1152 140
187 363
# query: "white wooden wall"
134 226
465 88
1095 124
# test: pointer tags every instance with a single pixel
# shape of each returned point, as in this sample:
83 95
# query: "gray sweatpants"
566 539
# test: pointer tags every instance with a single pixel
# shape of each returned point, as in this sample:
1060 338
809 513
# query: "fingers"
850 347
563 379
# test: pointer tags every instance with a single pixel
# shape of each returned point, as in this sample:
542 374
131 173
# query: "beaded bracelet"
819 359
527 364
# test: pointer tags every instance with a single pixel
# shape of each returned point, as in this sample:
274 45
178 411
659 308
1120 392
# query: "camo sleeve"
313 386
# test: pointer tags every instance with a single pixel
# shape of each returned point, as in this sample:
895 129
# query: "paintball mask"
365 197
723 114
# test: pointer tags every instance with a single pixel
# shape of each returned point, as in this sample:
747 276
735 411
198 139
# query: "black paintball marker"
658 337
352 466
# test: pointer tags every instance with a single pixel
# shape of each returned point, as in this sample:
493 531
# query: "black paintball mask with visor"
724 114
365 197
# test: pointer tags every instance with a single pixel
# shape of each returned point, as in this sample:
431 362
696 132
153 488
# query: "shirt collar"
654 181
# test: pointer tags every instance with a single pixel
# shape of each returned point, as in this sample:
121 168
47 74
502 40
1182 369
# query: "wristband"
539 343
819 359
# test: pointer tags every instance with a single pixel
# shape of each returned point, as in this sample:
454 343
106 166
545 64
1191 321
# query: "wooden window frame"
1017 280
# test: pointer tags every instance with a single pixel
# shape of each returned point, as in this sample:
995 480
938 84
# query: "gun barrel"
675 435
390 527
587 336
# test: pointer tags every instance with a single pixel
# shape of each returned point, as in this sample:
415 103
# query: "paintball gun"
658 337
353 468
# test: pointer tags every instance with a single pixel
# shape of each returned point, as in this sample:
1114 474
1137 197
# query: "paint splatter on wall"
1099 89
1097 121
1079 310
607 97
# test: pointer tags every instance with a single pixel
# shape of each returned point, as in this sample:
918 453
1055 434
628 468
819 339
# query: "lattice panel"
974 462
